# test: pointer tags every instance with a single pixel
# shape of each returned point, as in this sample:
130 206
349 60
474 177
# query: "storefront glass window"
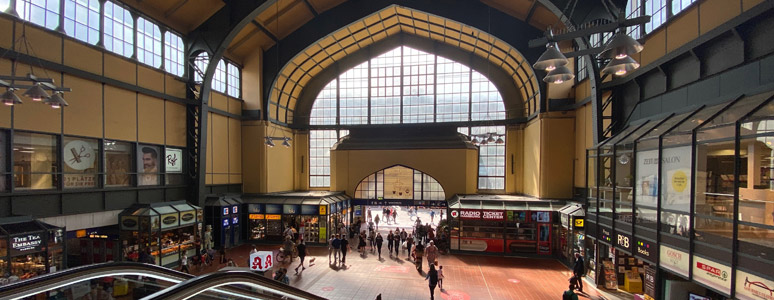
81 162
34 161
3 162
118 163
624 174
3 254
148 165
756 194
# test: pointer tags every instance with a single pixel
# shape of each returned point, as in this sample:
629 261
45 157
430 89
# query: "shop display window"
756 204
81 162
148 165
257 227
118 163
35 161
3 253
4 171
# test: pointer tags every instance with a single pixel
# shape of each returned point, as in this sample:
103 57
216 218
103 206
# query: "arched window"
400 182
406 85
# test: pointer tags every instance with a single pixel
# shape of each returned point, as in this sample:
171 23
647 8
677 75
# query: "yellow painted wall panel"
219 125
301 141
748 4
208 179
655 47
683 29
45 44
234 106
219 101
252 149
120 114
6 36
175 124
209 158
580 146
279 162
234 178
174 87
119 68
219 178
150 115
558 138
251 81
532 158
716 12
37 116
82 57
151 79
234 146
84 115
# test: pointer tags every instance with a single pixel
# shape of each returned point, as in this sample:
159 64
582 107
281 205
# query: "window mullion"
136 18
164 53
368 93
435 88
101 40
60 27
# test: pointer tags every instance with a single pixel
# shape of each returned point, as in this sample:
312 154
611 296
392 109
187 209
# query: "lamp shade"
621 46
475 140
621 66
551 59
286 142
36 93
9 98
559 75
56 101
490 139
500 140
269 142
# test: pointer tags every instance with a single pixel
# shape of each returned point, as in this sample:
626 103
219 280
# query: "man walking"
344 249
389 242
403 235
578 270
396 243
336 244
379 241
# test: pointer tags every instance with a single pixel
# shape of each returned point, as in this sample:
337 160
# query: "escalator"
135 281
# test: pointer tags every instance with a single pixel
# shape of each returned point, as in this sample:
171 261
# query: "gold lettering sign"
273 217
256 216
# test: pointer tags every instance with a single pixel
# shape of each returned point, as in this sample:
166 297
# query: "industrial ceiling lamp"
559 75
621 46
286 142
620 67
9 98
490 139
500 140
56 100
475 140
269 142
551 58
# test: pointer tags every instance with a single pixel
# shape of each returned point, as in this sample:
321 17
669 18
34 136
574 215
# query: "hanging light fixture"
621 66
490 139
475 140
9 98
36 93
269 142
56 100
621 46
286 142
559 75
551 58
500 140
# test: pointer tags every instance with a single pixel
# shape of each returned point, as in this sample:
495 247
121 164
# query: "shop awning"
297 197
154 209
504 202
223 200
22 225
574 209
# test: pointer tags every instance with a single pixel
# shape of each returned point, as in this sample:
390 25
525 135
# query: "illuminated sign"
470 214
235 220
494 215
225 211
644 248
273 217
605 235
225 222
235 209
579 223
323 210
455 213
752 287
256 216
674 260
713 274
27 242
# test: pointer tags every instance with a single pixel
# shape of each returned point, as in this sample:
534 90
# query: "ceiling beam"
311 8
266 31
541 42
531 12
174 8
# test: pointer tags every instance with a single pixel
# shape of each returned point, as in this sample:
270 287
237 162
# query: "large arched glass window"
406 85
400 182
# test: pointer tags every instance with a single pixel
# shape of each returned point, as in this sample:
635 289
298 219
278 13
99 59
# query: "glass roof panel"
164 209
614 139
493 204
470 204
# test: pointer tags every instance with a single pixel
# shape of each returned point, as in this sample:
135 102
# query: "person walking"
336 244
432 253
395 216
430 233
376 219
579 269
184 264
410 245
432 216
330 246
344 249
440 277
403 235
369 215
389 242
419 251
302 252
378 242
432 276
361 242
569 294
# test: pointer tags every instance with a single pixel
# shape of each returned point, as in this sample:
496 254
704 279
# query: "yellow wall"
455 169
557 154
514 160
532 158
584 139
224 149
267 170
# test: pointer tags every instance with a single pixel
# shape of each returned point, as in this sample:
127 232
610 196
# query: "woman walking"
302 252
379 241
432 276
371 242
361 242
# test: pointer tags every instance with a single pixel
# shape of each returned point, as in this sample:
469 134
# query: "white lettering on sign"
470 214
493 215
623 241
24 243
713 274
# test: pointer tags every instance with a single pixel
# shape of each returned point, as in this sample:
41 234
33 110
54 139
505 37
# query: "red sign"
494 215
455 213
261 261
470 214
710 269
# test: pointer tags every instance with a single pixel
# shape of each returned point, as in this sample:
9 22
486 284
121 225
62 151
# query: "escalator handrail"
200 284
51 281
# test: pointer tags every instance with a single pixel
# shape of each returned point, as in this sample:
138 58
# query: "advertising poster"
713 274
148 165
647 177
676 168
751 287
674 260
80 161
174 160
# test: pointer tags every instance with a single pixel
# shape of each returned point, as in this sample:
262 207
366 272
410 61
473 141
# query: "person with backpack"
569 294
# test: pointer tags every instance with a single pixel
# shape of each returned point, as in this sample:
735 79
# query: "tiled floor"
467 277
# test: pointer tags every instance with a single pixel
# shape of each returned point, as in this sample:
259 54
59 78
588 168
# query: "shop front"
502 224
160 232
29 248
312 214
571 234
223 213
